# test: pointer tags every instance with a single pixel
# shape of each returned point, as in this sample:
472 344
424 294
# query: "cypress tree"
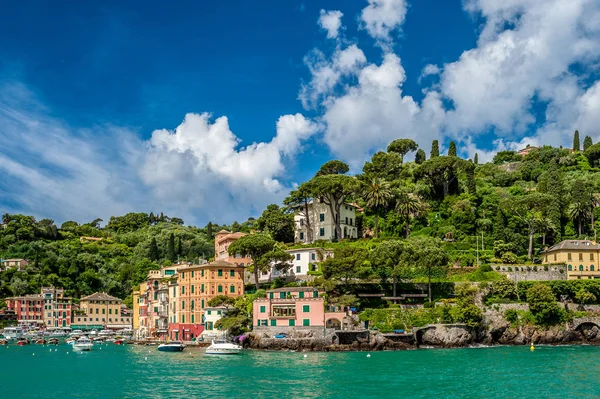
153 253
476 159
471 186
452 149
420 157
587 142
576 146
209 230
435 149
151 219
171 248
179 246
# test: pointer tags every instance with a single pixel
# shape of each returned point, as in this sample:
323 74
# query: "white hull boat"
83 344
219 347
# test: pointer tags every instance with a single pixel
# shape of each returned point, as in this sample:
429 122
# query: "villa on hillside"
302 307
322 222
525 151
6 264
223 239
580 256
305 260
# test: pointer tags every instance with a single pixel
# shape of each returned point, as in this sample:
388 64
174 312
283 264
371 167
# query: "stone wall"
532 273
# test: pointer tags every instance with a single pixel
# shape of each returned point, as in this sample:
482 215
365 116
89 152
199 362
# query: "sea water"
111 371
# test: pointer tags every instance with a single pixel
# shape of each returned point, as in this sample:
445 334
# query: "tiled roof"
295 289
574 245
219 263
100 296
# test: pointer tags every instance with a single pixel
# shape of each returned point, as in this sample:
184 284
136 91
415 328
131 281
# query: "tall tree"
334 167
420 157
441 172
470 171
179 250
476 159
171 248
333 190
209 230
386 165
390 259
256 246
299 200
429 255
402 147
593 154
452 149
544 225
377 195
347 263
277 222
151 219
409 206
552 182
153 251
528 209
576 145
435 149
587 142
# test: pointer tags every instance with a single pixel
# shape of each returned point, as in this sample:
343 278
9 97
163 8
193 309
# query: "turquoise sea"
112 371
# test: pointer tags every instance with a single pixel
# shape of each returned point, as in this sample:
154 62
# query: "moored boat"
22 342
11 333
222 347
174 346
41 341
53 341
83 344
119 342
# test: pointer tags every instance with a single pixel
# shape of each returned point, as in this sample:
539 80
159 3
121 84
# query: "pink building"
295 307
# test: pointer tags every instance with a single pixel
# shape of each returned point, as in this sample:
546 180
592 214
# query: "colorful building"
322 222
101 311
223 240
580 256
305 260
196 285
29 309
6 264
295 307
57 307
211 316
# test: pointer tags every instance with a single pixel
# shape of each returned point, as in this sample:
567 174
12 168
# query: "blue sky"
93 95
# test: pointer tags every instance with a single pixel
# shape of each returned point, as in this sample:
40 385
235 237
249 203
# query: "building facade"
20 264
580 257
295 307
57 307
29 309
211 316
322 223
101 311
305 260
223 240
196 285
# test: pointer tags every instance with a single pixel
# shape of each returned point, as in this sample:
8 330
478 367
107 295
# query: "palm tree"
377 195
409 206
544 225
579 210
6 218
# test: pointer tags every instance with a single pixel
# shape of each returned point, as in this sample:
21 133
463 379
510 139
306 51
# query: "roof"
99 296
28 297
310 249
295 289
14 260
219 263
224 232
574 245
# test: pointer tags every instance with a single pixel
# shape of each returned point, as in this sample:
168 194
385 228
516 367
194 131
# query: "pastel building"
29 309
305 260
19 264
101 311
211 316
580 256
223 240
322 222
295 307
57 307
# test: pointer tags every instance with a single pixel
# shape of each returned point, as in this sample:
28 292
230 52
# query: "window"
182 275
321 217
193 315
591 256
568 256
182 290
270 295
202 288
284 310
262 323
350 221
555 257
297 256
302 235
220 288
592 268
298 269
346 219
580 256
155 295
202 274
273 323
306 308
313 256
156 309
208 312
263 309
182 305
291 322
192 277
322 232
232 289
315 294
282 295
192 289
192 305
301 294
203 304
232 273
306 322
109 311
220 272
183 318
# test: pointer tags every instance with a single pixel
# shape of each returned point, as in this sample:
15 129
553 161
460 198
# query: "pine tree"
420 157
209 230
587 142
171 248
161 218
576 146
153 253
476 159
151 219
452 149
435 149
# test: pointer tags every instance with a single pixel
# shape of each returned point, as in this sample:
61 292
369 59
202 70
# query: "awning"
86 327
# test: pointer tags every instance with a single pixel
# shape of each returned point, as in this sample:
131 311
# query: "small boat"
83 344
119 342
3 342
22 342
222 347
76 333
174 346
71 341
11 333
53 341
41 341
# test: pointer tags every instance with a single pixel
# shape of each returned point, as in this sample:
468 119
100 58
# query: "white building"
305 260
211 316
323 222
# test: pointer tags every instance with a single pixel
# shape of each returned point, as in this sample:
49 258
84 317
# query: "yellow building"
580 256
101 310
136 309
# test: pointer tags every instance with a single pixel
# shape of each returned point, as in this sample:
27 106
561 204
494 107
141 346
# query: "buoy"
305 356
368 355
67 353
532 348
33 354
145 358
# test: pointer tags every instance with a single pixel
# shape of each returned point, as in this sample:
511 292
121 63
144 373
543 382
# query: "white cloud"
381 17
197 172
429 70
331 21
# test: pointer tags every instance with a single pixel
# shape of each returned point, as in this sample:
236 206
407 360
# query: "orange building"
198 284
223 240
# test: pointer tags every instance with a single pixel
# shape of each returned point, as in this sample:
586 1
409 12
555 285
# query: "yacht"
11 333
222 347
174 346
55 332
76 333
106 333
83 344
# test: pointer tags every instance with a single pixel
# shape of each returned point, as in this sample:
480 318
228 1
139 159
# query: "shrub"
543 305
511 315
509 257
485 268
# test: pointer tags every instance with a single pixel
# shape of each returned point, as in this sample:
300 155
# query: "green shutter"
306 308
270 295
263 309
182 305
192 316
282 295
291 322
316 294
306 322
220 288
232 273
301 294
220 272
273 323
203 304
202 288
232 289
192 289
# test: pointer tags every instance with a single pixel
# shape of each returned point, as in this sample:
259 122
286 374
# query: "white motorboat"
83 344
222 347
54 332
76 333
11 333
106 333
